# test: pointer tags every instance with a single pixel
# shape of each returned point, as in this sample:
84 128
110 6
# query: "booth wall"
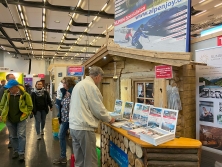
202 45
21 65
57 70
207 158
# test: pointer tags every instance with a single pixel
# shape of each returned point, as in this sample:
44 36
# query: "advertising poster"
209 99
161 25
75 71
18 76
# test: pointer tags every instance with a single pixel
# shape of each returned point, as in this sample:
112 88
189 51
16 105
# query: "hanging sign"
164 71
75 71
41 75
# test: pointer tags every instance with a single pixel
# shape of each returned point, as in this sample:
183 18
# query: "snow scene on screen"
152 25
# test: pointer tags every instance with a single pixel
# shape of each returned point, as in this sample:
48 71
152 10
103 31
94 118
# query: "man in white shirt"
86 109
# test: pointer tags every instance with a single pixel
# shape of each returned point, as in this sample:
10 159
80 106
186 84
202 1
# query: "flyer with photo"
128 110
144 115
137 112
155 117
169 120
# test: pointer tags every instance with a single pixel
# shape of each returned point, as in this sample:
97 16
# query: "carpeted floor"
2 125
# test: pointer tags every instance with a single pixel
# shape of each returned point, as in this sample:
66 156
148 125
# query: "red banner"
164 71
41 75
219 41
131 15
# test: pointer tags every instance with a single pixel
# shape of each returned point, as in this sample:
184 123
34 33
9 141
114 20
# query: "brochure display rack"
131 151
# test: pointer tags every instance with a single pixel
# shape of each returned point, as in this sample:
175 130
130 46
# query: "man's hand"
112 120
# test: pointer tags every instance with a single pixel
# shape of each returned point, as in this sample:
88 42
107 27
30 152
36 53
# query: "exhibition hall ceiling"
74 29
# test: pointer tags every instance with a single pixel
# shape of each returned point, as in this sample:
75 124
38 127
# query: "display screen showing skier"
161 25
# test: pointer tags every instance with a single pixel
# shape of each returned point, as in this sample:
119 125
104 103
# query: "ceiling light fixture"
57 21
86 30
2 47
200 13
201 1
110 26
104 7
218 5
23 21
8 52
79 3
70 22
95 18
19 7
90 24
22 16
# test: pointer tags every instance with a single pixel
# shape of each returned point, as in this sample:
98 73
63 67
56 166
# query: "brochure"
128 110
117 109
137 112
155 117
169 120
144 115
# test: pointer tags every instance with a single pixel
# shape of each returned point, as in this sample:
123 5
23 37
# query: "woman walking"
41 103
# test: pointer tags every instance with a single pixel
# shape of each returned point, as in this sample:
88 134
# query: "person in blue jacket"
135 40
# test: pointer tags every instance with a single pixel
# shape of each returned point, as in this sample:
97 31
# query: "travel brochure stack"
151 124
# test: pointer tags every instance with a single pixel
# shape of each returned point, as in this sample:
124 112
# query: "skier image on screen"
128 34
135 39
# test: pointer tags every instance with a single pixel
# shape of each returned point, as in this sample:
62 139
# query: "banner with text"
75 71
162 25
209 99
163 71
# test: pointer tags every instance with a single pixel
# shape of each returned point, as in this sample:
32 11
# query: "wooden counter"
180 152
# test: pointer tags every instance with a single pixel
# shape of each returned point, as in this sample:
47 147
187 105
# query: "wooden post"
160 93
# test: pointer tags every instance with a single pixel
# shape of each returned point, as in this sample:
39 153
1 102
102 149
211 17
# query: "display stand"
178 152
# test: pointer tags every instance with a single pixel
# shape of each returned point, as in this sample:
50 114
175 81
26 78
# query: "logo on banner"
204 59
219 41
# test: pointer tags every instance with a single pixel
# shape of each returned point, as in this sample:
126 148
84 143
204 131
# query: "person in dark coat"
41 103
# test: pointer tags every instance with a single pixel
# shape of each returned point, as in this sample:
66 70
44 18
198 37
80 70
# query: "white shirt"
59 93
86 106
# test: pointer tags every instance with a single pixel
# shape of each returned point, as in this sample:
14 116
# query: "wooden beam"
61 65
195 40
156 54
151 59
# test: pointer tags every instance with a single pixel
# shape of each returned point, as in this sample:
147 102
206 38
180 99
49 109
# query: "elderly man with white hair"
86 109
